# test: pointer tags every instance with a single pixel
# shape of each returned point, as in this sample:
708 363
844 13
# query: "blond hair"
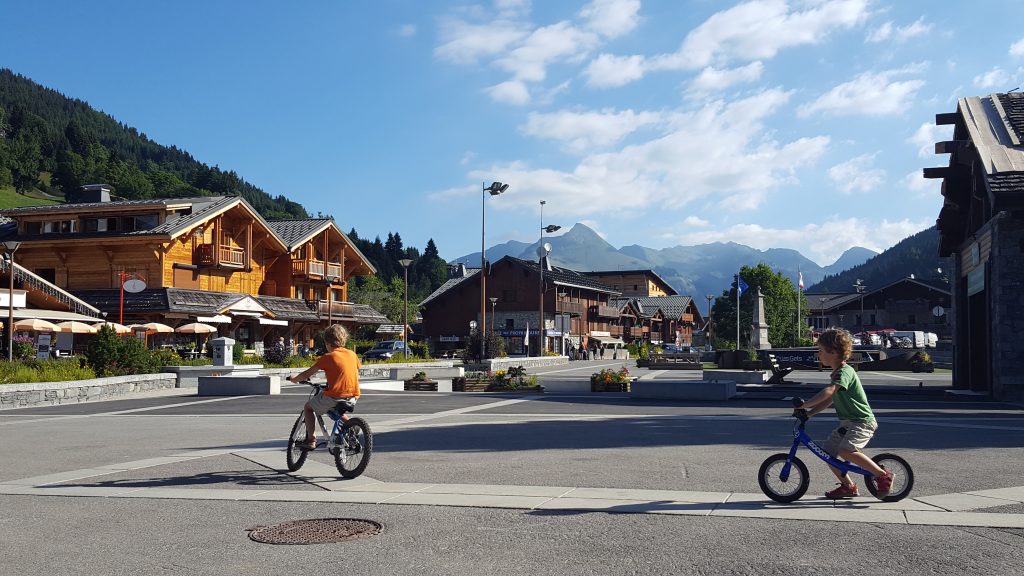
335 336
837 341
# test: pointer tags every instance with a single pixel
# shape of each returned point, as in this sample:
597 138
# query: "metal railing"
36 283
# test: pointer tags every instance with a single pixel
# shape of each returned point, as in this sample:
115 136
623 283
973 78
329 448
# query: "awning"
218 319
608 340
58 315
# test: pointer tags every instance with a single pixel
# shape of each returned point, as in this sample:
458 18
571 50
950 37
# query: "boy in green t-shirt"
856 421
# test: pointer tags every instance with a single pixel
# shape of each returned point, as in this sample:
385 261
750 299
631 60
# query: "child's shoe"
883 484
843 492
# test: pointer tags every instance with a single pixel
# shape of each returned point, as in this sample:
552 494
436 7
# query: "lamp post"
495 188
822 300
707 326
860 287
405 309
11 246
542 253
494 300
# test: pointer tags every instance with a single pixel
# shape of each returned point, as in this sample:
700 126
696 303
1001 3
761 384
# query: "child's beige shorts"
850 437
322 403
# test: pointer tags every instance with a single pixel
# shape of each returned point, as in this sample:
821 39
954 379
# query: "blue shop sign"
512 332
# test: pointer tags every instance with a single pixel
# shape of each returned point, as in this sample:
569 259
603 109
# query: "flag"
526 336
742 285
801 282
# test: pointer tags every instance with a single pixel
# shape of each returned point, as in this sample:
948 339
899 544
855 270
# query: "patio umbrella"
75 327
36 325
117 328
195 328
153 328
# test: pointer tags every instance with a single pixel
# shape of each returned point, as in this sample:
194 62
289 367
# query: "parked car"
384 350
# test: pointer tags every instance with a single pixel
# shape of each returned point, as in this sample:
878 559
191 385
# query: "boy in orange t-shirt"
341 367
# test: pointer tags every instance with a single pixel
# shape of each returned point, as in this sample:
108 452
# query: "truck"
916 338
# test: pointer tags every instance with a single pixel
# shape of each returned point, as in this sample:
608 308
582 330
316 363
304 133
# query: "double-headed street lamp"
495 188
405 309
542 252
11 247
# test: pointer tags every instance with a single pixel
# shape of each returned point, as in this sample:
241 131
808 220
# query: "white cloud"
695 222
611 18
558 42
994 78
857 174
465 43
714 79
582 131
823 243
609 71
927 135
869 94
921 186
721 149
898 34
1017 48
407 30
511 92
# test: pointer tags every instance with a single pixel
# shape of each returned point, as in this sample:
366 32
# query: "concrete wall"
53 393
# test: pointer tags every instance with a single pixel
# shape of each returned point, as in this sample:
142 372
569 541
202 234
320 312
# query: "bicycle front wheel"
902 477
297 456
352 454
781 489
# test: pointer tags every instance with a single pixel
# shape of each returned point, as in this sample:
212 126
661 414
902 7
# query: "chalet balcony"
317 268
230 257
602 311
571 308
337 309
615 331
687 317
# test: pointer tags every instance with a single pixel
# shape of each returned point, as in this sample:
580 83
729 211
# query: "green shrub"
495 346
111 355
420 349
24 348
276 355
237 353
57 370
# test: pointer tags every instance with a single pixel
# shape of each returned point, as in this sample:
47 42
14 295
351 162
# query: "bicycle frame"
800 436
338 422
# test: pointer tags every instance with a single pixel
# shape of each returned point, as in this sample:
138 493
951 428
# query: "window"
634 287
510 323
139 222
48 274
99 224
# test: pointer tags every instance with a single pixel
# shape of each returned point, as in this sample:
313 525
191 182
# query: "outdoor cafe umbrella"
36 325
153 328
75 327
117 328
195 328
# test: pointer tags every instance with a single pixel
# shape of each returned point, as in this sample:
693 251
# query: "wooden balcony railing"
602 311
571 308
303 267
687 317
230 256
337 309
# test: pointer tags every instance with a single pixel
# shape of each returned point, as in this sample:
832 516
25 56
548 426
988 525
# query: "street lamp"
860 287
707 325
494 300
11 246
495 188
405 309
542 252
822 300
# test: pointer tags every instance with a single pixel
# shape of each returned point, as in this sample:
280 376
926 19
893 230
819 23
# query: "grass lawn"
11 199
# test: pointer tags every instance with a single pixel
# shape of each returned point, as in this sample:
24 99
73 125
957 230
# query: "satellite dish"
544 250
134 285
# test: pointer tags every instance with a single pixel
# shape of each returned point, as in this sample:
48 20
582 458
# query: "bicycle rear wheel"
902 481
297 456
780 489
353 448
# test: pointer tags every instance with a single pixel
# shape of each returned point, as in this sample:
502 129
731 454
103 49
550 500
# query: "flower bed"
608 380
421 383
512 380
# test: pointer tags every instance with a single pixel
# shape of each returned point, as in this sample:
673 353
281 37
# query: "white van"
916 337
931 339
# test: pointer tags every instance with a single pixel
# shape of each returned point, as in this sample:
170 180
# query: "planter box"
469 385
643 362
601 386
521 390
421 385
921 367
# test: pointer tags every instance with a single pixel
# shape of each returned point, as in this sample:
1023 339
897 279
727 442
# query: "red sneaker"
883 484
843 492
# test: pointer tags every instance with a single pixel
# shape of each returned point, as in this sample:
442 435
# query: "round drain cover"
317 531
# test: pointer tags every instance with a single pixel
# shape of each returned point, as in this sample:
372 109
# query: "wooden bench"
676 361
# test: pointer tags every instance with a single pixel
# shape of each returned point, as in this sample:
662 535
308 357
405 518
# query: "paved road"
487 484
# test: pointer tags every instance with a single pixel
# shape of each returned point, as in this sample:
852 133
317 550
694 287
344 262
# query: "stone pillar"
759 333
223 349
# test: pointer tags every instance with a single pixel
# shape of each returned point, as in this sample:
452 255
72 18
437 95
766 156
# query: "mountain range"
691 270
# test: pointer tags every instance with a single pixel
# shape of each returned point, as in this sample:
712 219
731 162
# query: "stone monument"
759 332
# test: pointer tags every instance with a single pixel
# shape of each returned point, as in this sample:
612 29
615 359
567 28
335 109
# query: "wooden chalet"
208 259
634 282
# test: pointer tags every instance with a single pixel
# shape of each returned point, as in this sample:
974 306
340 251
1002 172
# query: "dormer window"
100 224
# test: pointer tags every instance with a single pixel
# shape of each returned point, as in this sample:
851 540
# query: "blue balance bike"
784 478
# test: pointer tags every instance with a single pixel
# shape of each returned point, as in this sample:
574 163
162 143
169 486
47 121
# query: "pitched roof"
297 231
564 276
448 285
670 306
647 272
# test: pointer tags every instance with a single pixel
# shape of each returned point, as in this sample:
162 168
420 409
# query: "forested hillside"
917 255
55 144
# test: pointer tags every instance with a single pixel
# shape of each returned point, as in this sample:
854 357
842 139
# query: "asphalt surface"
955 444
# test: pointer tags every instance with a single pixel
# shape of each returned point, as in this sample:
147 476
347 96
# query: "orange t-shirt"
342 368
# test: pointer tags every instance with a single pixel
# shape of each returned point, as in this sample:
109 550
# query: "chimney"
95 193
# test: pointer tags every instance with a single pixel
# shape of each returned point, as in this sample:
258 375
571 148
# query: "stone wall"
53 393
1007 315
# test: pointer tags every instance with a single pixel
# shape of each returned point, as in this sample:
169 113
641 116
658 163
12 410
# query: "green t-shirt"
849 400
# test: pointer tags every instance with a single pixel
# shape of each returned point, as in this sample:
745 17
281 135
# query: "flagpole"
737 311
799 293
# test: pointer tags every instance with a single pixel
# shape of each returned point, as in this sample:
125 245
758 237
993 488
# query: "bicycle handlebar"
799 413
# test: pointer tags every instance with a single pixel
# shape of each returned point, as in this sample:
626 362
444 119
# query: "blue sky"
801 124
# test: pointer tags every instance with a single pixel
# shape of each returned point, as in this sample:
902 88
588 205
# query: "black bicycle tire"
367 450
296 457
798 468
907 479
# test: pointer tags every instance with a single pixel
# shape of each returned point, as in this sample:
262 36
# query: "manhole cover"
317 531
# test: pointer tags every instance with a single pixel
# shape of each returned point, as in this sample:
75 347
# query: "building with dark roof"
981 230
